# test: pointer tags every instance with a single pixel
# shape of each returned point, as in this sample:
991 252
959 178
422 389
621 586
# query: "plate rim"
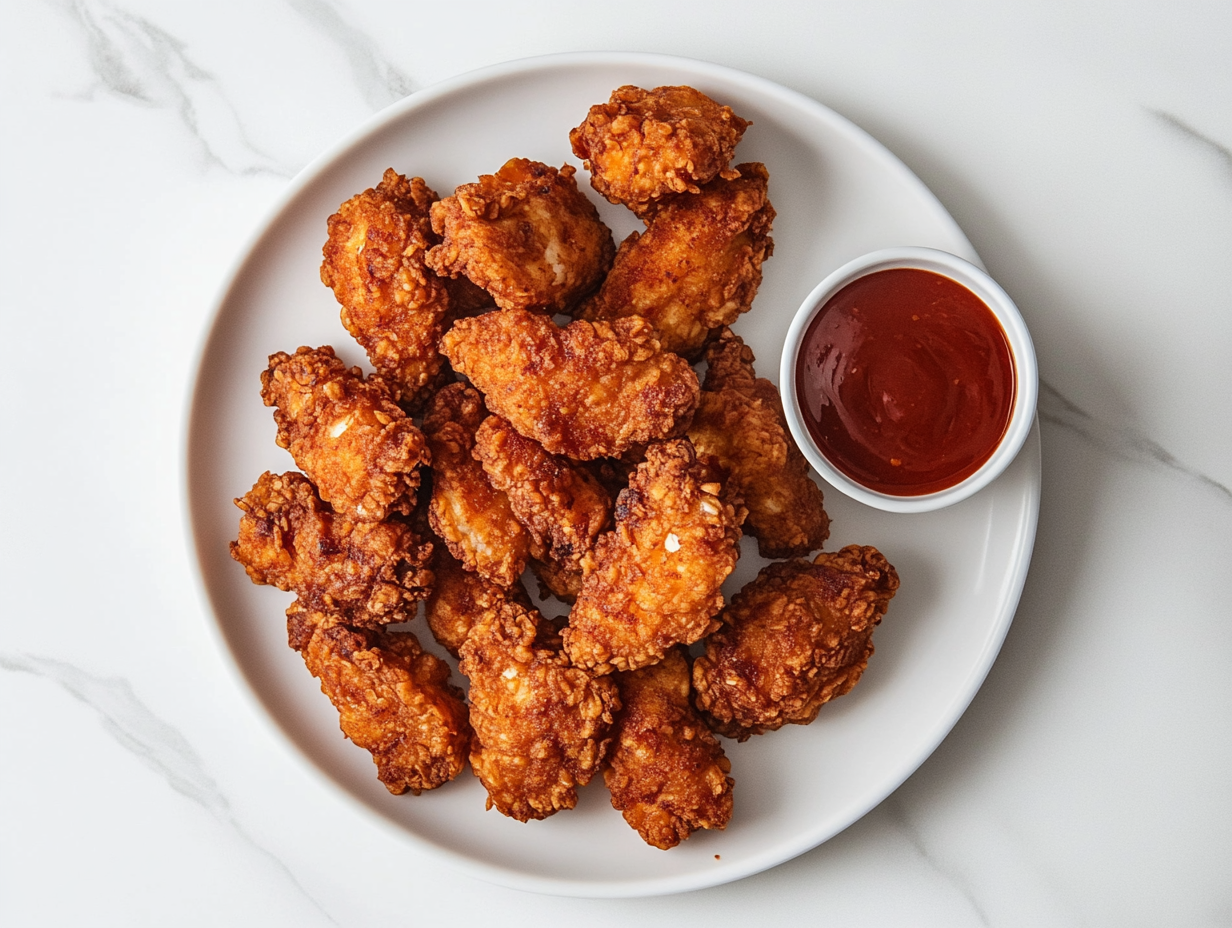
469 80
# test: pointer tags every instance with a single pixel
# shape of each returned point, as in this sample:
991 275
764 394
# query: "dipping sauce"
906 382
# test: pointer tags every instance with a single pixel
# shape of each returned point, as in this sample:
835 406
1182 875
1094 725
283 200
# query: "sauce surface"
906 381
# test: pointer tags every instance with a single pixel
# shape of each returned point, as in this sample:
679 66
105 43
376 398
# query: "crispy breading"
796 637
459 597
526 234
473 518
356 445
644 144
392 304
370 573
667 773
562 579
653 581
393 699
740 421
586 391
560 503
698 264
542 727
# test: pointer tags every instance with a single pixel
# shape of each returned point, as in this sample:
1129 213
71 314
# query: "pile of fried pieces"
590 453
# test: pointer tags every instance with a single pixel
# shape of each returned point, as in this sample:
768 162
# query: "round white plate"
838 194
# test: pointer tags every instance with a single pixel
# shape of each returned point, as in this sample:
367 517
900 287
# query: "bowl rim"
1022 353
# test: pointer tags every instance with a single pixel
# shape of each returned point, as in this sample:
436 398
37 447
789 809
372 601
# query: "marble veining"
1190 132
141 63
158 745
1124 442
379 81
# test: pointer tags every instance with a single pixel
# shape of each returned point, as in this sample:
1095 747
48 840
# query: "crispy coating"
698 264
644 144
796 637
562 579
347 434
542 727
459 597
393 699
740 421
561 504
526 234
392 304
653 581
369 573
667 773
586 391
472 517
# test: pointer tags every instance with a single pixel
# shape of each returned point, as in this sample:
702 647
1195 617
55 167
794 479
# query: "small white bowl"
1022 352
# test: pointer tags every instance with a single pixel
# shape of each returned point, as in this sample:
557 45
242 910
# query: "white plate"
838 194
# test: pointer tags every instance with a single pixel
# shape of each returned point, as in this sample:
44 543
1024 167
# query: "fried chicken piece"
653 581
472 517
740 421
369 573
347 434
796 637
562 579
698 264
542 727
459 597
561 505
394 699
392 304
667 773
586 391
526 234
644 144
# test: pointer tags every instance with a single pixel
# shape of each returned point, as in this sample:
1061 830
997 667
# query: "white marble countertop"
1086 150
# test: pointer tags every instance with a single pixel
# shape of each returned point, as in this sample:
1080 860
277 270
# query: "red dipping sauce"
906 382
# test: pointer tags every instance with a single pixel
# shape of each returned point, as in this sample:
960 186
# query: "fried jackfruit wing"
698 264
459 597
796 637
666 772
542 727
392 303
526 234
369 573
585 391
644 144
654 580
740 421
349 437
471 516
560 503
393 699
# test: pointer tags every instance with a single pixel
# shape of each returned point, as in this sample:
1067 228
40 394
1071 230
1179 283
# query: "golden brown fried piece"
793 639
698 264
391 302
369 573
653 581
586 391
526 234
542 727
644 144
472 517
740 421
561 505
459 597
394 700
667 773
346 433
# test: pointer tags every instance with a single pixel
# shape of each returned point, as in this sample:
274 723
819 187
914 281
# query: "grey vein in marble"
380 82
158 745
1124 442
1222 151
139 62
